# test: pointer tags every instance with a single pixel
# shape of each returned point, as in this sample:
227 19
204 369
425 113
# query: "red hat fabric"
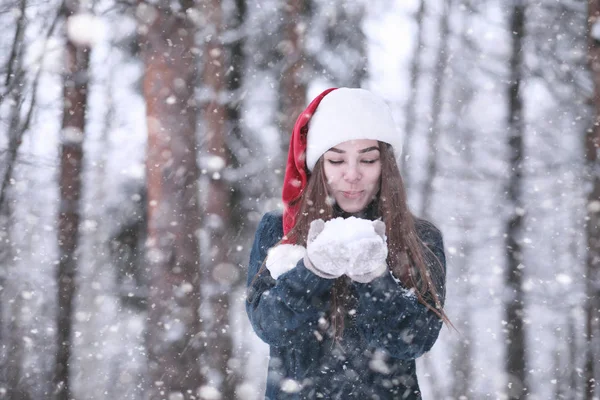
296 173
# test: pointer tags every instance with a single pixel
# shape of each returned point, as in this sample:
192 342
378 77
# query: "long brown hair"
410 260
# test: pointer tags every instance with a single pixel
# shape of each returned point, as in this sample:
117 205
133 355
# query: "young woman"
346 285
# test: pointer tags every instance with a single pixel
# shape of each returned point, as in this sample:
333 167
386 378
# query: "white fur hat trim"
350 114
282 258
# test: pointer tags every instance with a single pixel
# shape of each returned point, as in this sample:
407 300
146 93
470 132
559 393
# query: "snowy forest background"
141 141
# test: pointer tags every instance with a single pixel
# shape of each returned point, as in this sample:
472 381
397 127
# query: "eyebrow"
366 150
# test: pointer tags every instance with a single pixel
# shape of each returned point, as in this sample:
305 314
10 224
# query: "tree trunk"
437 102
221 275
463 358
292 94
344 40
75 80
237 217
592 224
235 76
515 357
410 116
574 348
463 93
574 389
462 361
173 336
235 85
433 156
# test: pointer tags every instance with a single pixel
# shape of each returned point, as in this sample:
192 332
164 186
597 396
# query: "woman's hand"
369 255
355 247
326 258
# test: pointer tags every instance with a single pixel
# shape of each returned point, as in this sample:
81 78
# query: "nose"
352 174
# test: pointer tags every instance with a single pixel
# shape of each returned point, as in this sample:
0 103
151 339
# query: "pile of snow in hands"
342 241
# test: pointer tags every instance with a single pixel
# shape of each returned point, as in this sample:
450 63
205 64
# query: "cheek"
372 176
331 175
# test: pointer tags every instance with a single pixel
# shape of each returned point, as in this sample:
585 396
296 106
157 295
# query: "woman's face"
352 170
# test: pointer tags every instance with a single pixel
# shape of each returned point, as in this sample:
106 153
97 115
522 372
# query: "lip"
352 194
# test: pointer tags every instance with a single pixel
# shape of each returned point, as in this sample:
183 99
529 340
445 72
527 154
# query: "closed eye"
335 162
370 161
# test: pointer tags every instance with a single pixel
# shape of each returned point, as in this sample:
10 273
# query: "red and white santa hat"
333 117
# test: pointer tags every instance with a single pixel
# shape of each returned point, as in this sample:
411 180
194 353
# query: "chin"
352 208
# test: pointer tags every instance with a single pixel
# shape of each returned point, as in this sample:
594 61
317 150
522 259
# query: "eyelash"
336 162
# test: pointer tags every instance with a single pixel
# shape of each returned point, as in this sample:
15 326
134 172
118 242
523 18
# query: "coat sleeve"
285 311
391 318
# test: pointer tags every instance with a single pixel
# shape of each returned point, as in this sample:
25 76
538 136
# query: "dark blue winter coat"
375 359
